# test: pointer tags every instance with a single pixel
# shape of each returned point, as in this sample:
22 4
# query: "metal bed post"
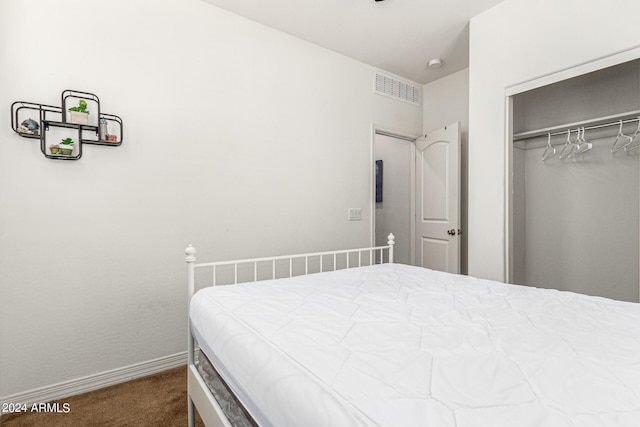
190 258
391 241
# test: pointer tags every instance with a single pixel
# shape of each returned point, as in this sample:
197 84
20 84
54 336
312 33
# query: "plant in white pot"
79 114
66 147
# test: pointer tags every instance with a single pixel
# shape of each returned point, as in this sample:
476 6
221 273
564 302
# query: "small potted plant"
79 114
66 147
54 148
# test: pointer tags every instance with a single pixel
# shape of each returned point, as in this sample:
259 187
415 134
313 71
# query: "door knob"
451 232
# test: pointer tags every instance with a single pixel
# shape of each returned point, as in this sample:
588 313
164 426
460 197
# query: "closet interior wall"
575 222
393 213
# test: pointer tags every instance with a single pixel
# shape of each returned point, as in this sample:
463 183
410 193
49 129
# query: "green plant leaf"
82 107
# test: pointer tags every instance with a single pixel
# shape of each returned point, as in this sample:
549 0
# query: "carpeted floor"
156 400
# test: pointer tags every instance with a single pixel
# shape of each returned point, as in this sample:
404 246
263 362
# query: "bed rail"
375 256
370 254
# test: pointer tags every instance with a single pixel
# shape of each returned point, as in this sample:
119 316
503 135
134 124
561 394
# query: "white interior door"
438 199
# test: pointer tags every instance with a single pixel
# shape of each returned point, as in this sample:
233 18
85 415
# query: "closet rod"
596 123
395 135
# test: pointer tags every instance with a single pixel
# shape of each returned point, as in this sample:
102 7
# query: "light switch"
355 214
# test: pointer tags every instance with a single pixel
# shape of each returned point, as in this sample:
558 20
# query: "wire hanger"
568 147
630 145
550 151
622 140
583 145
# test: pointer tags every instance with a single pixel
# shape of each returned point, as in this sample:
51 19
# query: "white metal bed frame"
198 394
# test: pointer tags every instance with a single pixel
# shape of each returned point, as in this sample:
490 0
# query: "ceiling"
399 36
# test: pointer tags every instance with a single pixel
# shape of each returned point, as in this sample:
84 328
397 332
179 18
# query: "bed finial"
391 240
190 253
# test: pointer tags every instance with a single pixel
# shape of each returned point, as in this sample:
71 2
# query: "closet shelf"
588 124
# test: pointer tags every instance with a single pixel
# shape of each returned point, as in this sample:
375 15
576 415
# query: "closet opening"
574 184
393 199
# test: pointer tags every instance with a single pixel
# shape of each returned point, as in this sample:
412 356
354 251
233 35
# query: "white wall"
514 42
446 101
238 139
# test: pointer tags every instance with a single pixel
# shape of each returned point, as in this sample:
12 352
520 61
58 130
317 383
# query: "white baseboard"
96 381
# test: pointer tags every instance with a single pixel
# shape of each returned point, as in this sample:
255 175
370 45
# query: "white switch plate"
355 214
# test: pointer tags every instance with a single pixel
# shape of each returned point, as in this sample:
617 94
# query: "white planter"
78 117
66 149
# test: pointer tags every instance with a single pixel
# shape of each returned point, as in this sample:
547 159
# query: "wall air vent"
396 88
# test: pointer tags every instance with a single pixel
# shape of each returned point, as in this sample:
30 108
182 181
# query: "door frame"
410 138
510 92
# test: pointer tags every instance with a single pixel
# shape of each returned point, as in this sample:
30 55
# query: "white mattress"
394 345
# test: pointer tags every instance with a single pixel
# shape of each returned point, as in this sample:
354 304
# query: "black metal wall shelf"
48 123
48 117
